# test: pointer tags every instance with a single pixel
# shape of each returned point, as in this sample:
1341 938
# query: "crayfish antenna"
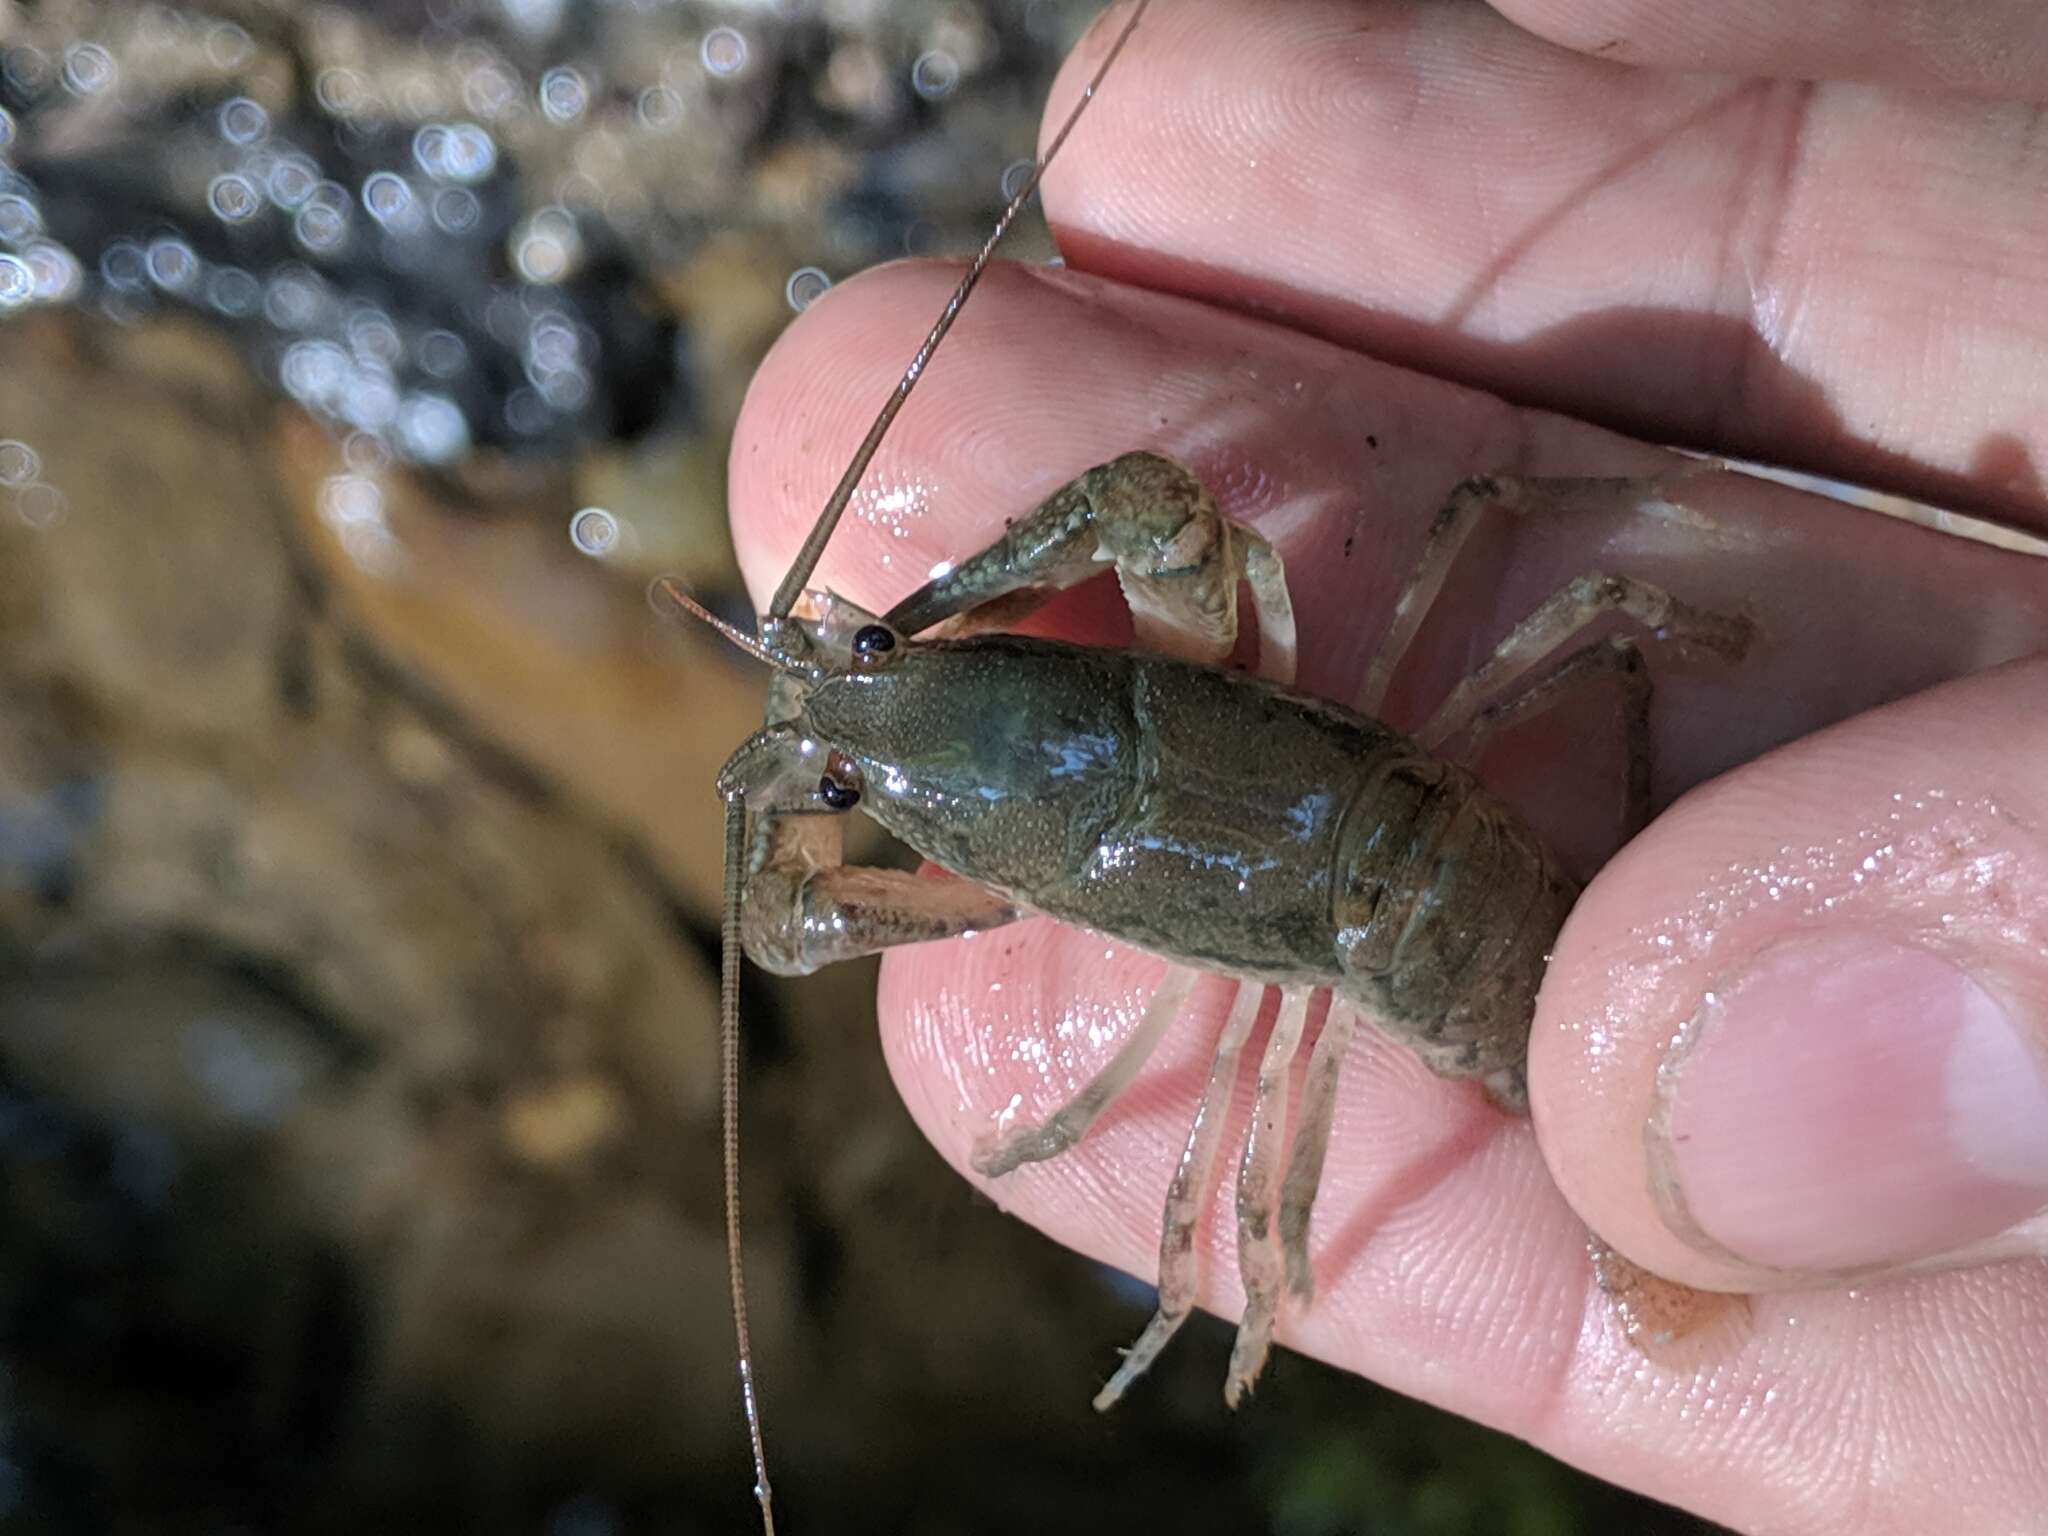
821 531
786 595
729 1102
666 589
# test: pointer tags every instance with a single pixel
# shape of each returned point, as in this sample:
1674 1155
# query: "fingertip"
1798 1030
808 406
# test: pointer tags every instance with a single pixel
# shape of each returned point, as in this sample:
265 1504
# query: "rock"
353 1042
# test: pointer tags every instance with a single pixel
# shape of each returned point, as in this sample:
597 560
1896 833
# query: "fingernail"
1849 1102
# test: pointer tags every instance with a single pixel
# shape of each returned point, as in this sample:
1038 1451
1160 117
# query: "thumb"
1798 1030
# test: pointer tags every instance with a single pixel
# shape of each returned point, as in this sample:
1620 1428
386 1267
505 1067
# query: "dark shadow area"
1714 373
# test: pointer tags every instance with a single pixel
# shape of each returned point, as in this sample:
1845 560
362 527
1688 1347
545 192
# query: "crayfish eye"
839 788
872 644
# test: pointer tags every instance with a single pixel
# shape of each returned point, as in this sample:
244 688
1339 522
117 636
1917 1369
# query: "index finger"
1835 277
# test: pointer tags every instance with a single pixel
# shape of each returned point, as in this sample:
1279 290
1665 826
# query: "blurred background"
358 856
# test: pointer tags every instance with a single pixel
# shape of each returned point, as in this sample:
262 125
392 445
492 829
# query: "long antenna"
736 807
729 1091
821 531
667 588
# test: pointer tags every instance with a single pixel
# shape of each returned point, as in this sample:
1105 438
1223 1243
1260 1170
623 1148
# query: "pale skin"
1838 275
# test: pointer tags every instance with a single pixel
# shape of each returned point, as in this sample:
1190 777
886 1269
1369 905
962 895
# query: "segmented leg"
1178 558
1566 613
1267 578
1186 1198
1258 1188
1311 1145
1616 656
1454 523
1660 1316
1049 1138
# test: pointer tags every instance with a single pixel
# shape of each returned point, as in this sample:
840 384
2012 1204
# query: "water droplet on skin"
891 506
594 531
724 52
804 288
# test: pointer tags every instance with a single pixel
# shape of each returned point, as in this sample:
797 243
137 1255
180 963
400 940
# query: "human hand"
1842 276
